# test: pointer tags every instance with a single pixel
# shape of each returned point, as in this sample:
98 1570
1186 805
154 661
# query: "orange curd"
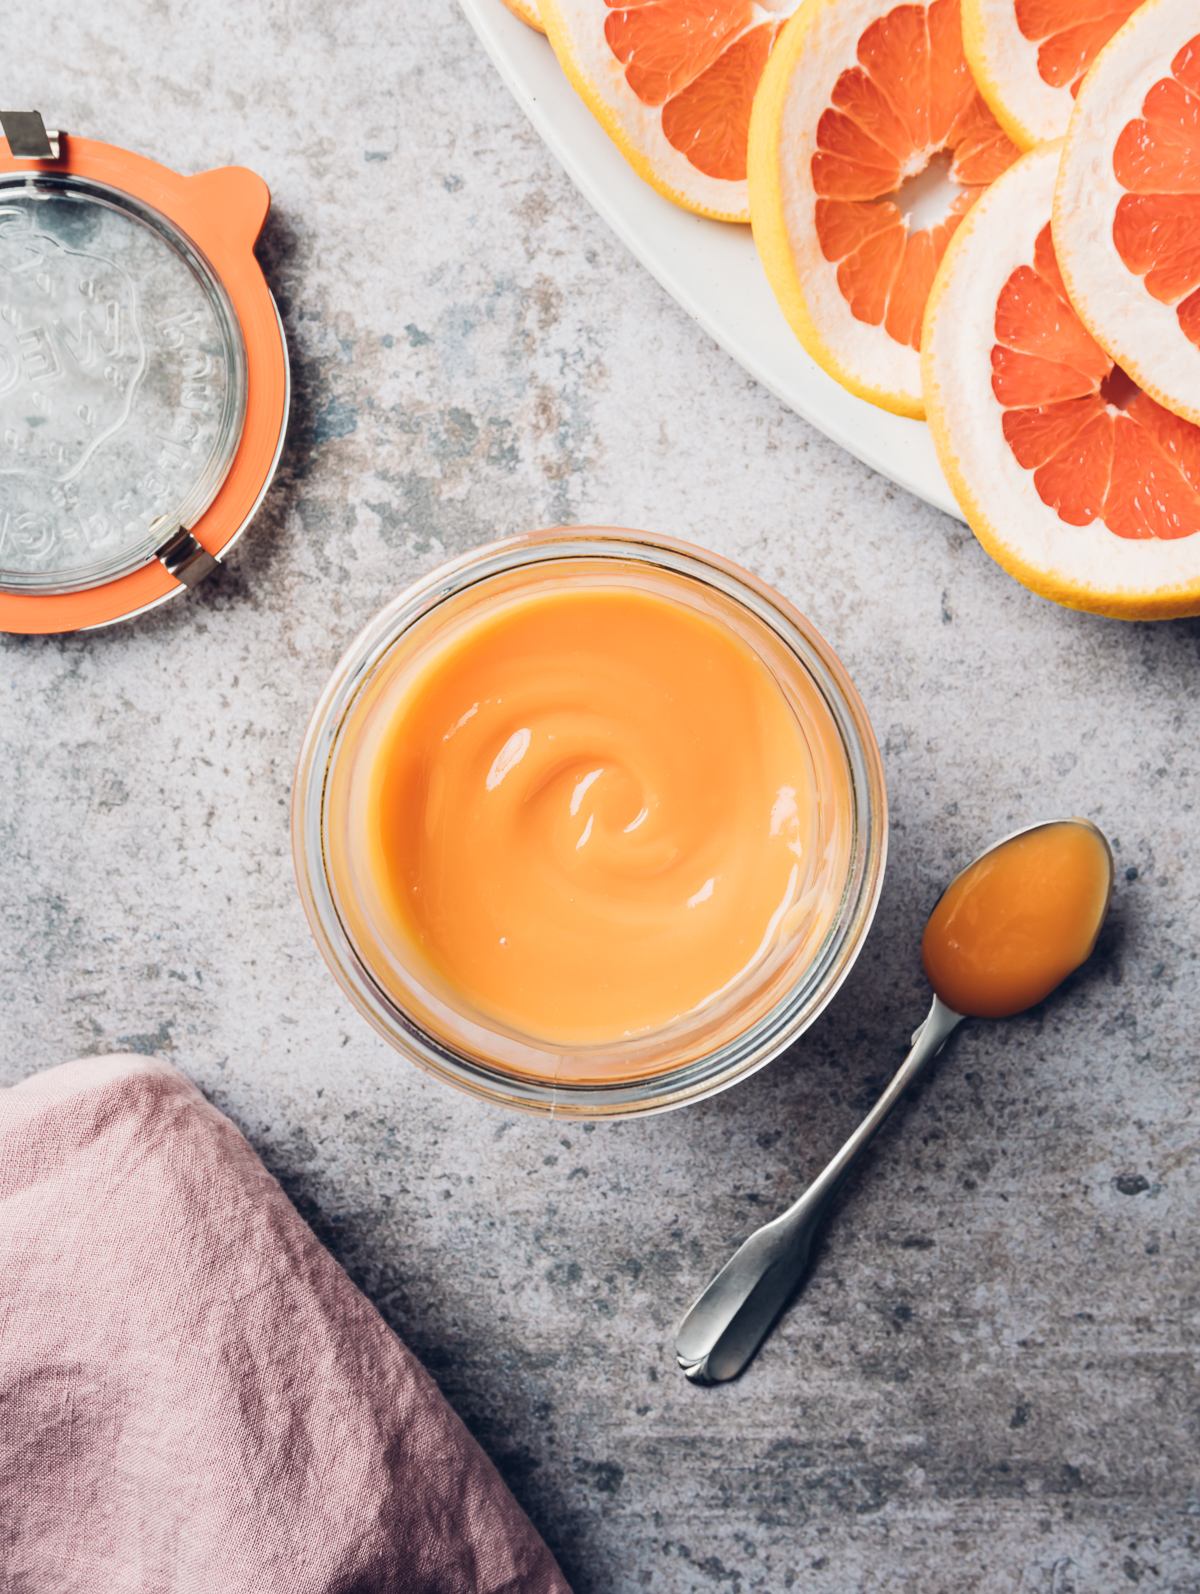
585 813
1015 923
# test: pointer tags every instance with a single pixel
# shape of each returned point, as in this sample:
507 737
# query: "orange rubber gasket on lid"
222 212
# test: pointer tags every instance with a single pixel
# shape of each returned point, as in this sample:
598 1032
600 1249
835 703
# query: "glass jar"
144 381
803 960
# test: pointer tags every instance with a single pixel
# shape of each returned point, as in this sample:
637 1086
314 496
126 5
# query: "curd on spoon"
1010 928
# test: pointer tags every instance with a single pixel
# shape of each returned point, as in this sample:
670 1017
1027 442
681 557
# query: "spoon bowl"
1013 924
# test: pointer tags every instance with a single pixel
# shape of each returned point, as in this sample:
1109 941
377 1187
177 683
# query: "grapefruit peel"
798 128
528 12
1028 57
988 270
1146 335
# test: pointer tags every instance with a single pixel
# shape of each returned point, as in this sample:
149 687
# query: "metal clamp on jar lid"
143 376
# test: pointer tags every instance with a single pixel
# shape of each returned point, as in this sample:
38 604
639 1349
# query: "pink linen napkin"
193 1395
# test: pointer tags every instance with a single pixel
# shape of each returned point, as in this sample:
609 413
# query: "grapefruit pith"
1127 204
1074 479
1029 57
869 142
672 83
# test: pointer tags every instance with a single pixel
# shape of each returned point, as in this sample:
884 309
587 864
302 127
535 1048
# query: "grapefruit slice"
1127 206
1071 476
869 142
1029 57
528 12
672 83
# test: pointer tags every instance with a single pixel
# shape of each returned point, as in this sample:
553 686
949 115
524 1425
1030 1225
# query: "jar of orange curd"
590 823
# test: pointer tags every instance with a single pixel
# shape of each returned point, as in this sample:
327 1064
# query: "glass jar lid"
123 383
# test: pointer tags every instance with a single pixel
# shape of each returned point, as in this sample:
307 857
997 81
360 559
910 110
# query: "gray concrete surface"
992 1382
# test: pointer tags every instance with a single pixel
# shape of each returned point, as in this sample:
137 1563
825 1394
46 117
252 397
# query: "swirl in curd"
591 811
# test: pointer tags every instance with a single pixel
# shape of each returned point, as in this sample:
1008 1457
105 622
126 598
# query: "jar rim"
736 1057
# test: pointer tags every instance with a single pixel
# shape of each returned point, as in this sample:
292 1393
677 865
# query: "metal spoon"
730 1319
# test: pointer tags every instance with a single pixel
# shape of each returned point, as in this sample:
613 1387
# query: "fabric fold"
193 1395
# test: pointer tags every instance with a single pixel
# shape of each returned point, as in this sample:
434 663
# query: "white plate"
711 268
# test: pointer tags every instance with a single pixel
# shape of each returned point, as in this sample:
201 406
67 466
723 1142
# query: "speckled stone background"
992 1382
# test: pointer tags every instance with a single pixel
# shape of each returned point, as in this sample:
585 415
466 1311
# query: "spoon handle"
730 1319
